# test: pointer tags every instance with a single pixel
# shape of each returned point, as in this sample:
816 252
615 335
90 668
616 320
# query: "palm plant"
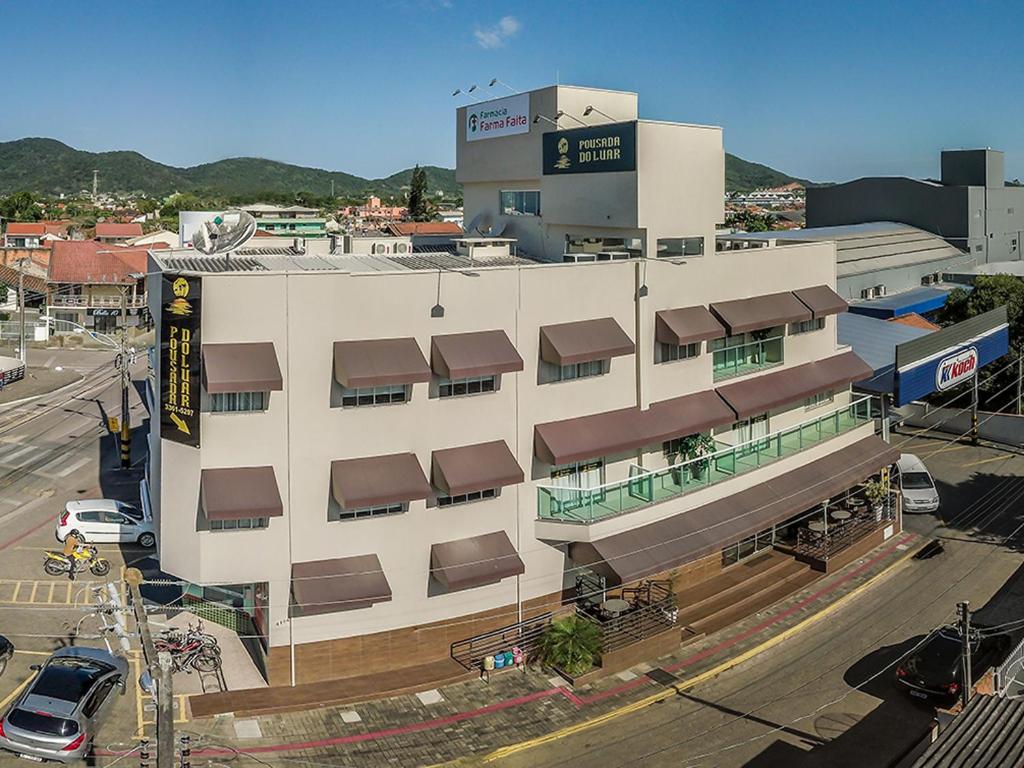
571 644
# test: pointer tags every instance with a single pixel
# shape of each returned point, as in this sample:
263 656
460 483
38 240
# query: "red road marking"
458 717
29 532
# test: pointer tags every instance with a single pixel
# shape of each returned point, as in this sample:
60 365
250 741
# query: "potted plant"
571 645
876 492
693 448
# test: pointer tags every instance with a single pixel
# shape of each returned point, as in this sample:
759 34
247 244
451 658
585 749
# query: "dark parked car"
57 716
935 669
6 651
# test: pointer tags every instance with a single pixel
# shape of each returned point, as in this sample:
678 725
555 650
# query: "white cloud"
498 34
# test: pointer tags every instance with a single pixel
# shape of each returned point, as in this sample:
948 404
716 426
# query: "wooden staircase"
741 591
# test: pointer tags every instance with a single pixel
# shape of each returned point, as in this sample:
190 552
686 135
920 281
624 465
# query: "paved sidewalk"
470 720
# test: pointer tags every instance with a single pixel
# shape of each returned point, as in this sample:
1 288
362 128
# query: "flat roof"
875 340
917 300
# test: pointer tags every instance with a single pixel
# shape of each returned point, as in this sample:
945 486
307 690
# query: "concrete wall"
1004 428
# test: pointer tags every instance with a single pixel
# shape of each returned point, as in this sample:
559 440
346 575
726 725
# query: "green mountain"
47 166
743 176
50 167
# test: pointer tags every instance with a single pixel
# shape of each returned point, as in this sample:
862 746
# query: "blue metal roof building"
917 300
875 342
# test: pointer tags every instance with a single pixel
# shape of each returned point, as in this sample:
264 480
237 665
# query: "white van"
917 486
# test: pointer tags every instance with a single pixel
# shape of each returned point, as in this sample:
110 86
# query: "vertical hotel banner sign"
180 315
500 117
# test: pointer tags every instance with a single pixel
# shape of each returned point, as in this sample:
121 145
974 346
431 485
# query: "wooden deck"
329 692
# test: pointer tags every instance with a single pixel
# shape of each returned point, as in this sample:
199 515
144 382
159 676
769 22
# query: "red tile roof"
406 228
26 228
111 229
914 320
33 283
86 261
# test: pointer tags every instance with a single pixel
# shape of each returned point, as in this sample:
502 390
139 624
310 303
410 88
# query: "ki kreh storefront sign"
950 357
499 117
596 149
180 347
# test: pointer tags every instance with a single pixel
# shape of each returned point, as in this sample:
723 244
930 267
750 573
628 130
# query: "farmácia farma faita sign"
501 117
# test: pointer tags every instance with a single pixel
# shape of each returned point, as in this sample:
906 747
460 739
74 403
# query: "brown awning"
822 300
341 584
234 493
250 367
682 538
686 326
626 429
744 315
379 363
473 562
378 480
583 341
479 467
773 390
481 353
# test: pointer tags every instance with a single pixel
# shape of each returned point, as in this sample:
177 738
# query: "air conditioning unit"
879 290
867 293
928 280
612 255
577 258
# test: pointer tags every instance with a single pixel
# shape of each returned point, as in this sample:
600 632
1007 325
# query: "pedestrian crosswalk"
41 459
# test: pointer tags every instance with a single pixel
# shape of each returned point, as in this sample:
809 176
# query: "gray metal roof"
871 247
989 733
875 341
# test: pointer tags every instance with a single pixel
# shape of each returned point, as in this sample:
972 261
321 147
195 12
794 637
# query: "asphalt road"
52 450
826 697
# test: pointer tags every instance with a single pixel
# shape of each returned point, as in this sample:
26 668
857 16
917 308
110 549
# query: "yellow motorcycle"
86 557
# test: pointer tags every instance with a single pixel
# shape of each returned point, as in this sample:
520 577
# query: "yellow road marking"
68 598
17 589
181 717
32 597
989 460
570 730
49 598
11 696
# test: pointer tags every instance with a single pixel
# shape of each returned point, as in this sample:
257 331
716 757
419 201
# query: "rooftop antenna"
224 233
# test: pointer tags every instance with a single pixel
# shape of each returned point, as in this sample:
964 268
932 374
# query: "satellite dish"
224 232
483 224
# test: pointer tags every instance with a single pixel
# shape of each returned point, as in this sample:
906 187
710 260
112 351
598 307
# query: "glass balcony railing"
644 487
746 358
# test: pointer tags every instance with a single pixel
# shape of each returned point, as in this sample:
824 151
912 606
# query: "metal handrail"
709 457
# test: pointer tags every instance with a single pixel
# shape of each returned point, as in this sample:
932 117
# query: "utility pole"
963 612
21 311
1020 381
974 411
95 185
159 667
126 378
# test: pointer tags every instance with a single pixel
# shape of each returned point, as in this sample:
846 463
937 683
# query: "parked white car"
105 520
917 486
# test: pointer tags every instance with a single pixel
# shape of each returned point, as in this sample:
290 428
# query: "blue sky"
826 91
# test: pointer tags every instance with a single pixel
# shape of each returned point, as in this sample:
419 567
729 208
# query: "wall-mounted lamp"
591 108
495 81
538 117
457 91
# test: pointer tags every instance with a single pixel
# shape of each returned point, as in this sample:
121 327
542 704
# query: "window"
806 326
363 512
463 498
820 399
243 523
235 402
671 352
571 481
98 697
398 393
552 372
977 249
88 517
675 247
471 386
520 203
746 352
751 429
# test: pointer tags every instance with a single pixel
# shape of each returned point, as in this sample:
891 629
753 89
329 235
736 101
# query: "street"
52 449
826 697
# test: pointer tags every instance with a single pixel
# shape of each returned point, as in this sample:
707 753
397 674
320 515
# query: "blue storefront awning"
918 300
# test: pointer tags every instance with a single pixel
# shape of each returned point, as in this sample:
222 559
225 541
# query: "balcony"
83 302
644 488
741 359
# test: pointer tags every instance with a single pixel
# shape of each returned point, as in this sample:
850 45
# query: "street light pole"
126 429
963 611
21 301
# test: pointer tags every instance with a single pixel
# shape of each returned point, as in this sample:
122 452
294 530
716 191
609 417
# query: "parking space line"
49 597
32 597
989 460
68 598
44 592
180 702
13 694
17 591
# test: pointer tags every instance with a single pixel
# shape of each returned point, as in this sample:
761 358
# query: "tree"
417 200
748 221
998 390
147 205
21 206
